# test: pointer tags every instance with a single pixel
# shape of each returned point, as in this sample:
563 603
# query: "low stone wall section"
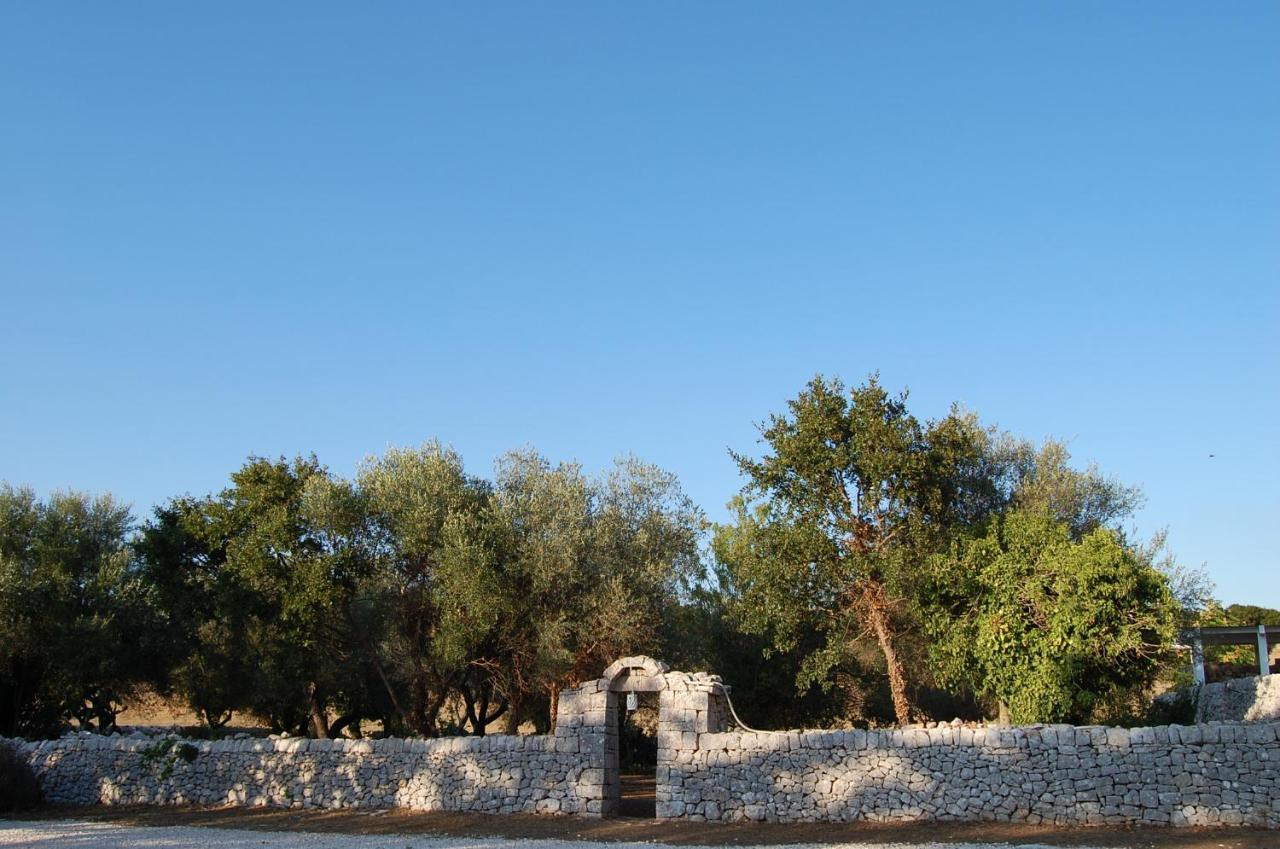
1217 773
493 774
1213 774
1255 699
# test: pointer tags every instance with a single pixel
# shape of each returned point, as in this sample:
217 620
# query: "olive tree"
837 520
77 625
563 572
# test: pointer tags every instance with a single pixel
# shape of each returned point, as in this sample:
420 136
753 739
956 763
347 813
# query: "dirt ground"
648 830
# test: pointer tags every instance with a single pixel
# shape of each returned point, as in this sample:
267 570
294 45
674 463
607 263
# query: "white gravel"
72 834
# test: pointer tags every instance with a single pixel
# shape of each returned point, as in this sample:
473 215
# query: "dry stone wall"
1213 774
1217 773
497 774
1251 699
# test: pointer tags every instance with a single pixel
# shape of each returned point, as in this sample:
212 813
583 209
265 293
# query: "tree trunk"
434 705
878 617
476 706
316 712
514 710
417 716
487 718
1003 717
555 706
469 706
391 693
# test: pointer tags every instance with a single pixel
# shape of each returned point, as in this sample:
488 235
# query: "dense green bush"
19 788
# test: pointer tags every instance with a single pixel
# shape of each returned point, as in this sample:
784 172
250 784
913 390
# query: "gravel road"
72 834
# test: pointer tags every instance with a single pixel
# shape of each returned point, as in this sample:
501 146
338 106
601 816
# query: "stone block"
1117 738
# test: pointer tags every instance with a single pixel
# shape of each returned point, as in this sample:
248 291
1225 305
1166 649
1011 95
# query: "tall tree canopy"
563 573
837 519
871 550
75 619
862 523
420 499
262 578
293 594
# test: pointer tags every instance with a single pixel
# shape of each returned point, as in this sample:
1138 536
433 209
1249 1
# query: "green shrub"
19 788
167 753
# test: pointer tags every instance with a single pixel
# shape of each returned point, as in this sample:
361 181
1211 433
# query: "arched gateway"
588 718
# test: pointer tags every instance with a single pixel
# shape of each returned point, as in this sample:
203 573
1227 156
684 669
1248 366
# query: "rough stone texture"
498 774
1254 699
1209 774
1218 773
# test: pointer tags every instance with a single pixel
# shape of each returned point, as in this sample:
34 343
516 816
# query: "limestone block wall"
1251 699
496 774
1224 773
1218 773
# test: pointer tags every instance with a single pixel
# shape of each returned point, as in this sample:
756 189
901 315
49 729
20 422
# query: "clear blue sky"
607 228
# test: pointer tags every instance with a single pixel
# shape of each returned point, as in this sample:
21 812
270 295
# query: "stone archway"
639 674
688 705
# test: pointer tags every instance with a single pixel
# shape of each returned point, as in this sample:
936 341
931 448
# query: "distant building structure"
1260 636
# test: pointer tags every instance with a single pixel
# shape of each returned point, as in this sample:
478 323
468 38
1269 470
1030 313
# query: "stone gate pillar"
689 705
583 727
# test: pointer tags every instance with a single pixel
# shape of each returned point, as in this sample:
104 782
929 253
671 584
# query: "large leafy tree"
419 500
562 573
1051 620
837 519
261 582
205 610
77 634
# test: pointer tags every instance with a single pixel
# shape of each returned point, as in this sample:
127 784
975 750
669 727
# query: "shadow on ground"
445 824
638 797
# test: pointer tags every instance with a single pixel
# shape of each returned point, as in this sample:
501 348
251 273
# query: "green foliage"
166 754
155 751
261 580
561 573
837 518
207 612
1041 480
1250 614
298 596
419 501
1051 626
76 620
19 787
293 593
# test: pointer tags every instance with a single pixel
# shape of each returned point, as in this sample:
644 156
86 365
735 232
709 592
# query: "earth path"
397 829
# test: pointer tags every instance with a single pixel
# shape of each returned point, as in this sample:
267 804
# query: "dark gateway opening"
638 755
